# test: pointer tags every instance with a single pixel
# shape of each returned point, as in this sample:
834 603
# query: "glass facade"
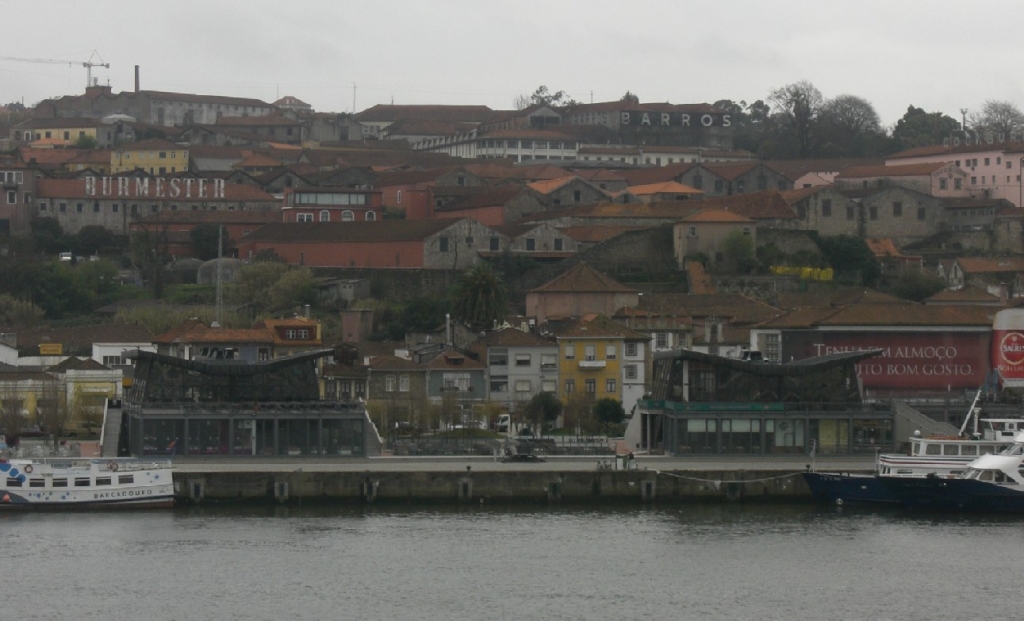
249 437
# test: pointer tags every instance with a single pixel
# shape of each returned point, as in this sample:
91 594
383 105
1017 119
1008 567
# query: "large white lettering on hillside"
139 187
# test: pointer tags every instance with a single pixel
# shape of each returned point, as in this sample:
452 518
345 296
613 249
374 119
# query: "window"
692 232
523 385
499 384
570 352
494 243
957 184
96 207
826 208
498 358
12 197
289 334
609 385
570 385
403 383
873 213
986 161
746 230
661 340
523 360
469 242
772 351
442 244
303 334
942 183
558 244
398 197
547 362
590 386
610 352
304 217
1008 165
79 207
630 349
531 244
698 182
123 479
974 181
629 371
589 352
897 209
719 185
371 216
548 385
389 383
325 216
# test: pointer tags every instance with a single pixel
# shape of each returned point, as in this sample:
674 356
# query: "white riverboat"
73 483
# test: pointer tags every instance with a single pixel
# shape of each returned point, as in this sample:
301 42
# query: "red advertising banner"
909 360
1008 346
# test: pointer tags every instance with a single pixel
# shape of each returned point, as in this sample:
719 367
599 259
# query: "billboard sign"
925 361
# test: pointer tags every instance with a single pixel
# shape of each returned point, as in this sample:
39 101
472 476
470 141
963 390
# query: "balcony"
592 364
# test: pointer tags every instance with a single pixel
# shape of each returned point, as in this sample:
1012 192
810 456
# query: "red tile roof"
716 216
764 205
904 170
664 187
381 231
583 278
986 265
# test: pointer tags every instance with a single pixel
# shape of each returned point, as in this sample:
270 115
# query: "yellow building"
51 132
157 157
591 351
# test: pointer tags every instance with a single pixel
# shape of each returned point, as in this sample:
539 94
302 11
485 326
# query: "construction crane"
89 64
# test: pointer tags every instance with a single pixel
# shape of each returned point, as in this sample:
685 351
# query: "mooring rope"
718 482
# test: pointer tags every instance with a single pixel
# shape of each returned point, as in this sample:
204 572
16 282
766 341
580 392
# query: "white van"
503 424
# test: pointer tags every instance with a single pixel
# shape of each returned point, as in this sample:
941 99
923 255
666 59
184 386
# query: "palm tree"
480 297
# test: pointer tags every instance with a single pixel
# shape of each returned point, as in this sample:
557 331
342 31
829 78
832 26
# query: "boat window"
82 482
13 482
951 449
904 471
102 480
125 478
968 450
60 482
36 483
933 449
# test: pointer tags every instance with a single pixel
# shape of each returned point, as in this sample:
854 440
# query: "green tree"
15 313
848 126
48 236
59 293
916 286
480 297
204 239
609 412
738 252
850 255
86 142
918 128
543 408
293 289
93 238
630 96
254 283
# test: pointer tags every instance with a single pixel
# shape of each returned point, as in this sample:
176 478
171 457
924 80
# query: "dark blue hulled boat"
991 484
945 457
842 488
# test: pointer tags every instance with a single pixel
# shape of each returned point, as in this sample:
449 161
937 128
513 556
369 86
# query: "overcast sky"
938 55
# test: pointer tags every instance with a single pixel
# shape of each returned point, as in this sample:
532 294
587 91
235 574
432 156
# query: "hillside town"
700 278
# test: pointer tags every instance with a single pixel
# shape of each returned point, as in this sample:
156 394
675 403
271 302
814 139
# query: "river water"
670 562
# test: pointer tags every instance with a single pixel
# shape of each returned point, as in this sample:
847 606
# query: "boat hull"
840 489
953 495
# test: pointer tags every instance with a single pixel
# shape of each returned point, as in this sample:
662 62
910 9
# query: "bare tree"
997 118
798 104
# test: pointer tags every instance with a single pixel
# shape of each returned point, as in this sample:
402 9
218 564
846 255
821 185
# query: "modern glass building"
237 408
706 404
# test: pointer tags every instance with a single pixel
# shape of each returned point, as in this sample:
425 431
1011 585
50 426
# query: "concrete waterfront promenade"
484 479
